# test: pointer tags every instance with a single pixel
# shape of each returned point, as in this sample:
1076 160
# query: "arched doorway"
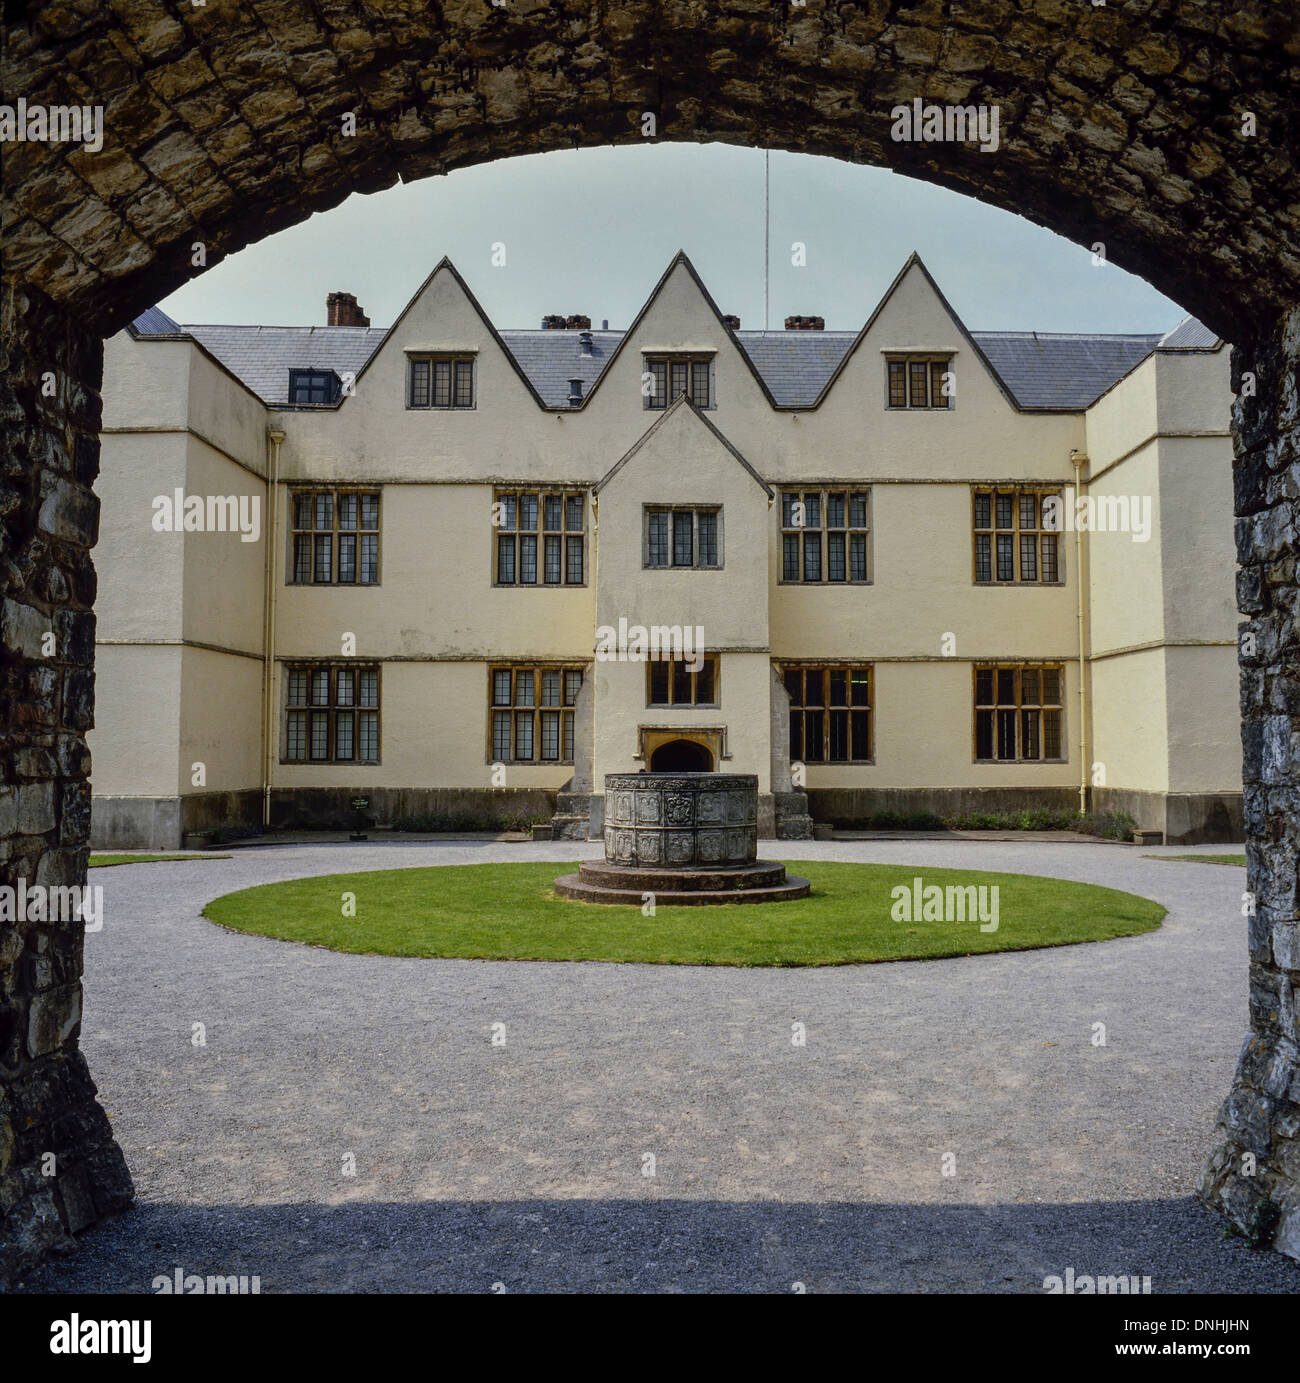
681 756
1167 150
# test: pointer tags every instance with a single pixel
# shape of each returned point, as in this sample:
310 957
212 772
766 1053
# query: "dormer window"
313 386
668 377
920 381
442 382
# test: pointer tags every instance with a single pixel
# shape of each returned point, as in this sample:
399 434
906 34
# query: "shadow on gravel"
667 1246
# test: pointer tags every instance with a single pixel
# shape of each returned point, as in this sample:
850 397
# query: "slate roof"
1054 370
1190 334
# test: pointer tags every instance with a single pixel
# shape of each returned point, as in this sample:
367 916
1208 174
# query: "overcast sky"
590 231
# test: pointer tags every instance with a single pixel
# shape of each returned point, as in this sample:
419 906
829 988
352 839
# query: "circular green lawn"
857 912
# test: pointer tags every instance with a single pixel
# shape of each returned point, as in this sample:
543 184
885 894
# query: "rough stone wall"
223 122
1254 1174
49 454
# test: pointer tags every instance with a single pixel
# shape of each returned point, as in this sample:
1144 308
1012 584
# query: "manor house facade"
911 568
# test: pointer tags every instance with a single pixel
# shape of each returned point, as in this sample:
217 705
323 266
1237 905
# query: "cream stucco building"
414 564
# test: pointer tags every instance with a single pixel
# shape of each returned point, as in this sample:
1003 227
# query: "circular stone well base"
761 881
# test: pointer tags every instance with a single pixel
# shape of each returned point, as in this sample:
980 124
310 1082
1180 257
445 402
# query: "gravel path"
524 1164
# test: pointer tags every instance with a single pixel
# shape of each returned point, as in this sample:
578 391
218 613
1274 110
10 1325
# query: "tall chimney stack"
805 324
342 310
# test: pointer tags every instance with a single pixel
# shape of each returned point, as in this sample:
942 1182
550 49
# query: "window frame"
850 492
332 709
907 360
502 494
1045 538
564 708
453 359
695 510
1041 705
335 533
826 668
653 361
713 660
334 386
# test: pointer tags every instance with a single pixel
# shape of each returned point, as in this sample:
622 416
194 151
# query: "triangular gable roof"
683 259
445 263
915 260
680 402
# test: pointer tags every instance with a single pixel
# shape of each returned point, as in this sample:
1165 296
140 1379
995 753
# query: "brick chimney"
805 324
342 310
732 321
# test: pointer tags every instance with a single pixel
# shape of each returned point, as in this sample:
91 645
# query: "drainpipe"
275 435
1079 459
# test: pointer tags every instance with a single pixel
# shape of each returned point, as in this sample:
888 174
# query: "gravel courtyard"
523 1167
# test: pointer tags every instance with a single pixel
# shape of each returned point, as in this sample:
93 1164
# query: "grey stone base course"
1182 818
158 823
760 882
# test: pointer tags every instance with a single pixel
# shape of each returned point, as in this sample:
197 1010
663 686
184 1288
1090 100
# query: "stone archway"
1159 130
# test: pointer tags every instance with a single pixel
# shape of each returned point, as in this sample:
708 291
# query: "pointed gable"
444 318
914 316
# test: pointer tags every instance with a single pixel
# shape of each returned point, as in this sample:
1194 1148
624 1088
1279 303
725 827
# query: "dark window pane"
1029 686
1028 557
442 383
1006 557
861 730
1051 686
835 557
708 526
325 511
1029 743
659 392
573 561
983 511
302 557
1006 687
419 384
550 735
857 511
705 692
984 734
815 687
505 561
1006 734
835 511
573 513
523 734
658 683
700 383
838 727
796 736
683 540
528 512
812 505
677 379
552 513
839 685
347 557
1004 510
348 511
528 559
1049 557
812 556
324 557
554 568
857 556
984 686
814 736
897 384
681 683
296 747
658 538
343 735
794 685
1028 511
501 687
369 558
501 734
860 687
787 509
789 557
983 557
464 384
1052 735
